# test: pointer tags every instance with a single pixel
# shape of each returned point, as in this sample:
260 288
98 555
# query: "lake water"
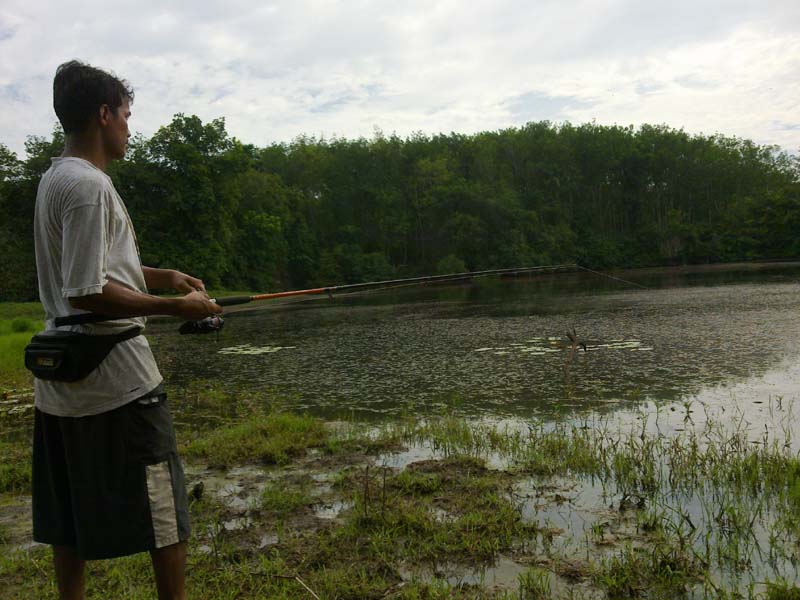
699 352
499 348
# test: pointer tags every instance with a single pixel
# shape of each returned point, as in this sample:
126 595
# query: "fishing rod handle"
231 300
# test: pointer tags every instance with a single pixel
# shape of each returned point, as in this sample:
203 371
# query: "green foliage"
21 325
268 439
450 264
315 211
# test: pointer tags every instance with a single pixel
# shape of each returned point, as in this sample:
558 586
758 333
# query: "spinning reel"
212 324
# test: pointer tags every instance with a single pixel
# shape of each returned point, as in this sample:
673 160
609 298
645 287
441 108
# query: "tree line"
333 211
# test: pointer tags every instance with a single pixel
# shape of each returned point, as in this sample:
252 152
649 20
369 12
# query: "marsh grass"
534 584
278 499
660 570
264 438
782 591
694 500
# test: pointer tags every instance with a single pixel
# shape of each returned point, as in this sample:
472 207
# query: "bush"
21 325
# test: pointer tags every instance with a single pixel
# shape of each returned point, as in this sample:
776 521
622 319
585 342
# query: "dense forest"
329 211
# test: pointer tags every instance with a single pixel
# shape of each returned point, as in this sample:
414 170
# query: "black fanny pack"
69 356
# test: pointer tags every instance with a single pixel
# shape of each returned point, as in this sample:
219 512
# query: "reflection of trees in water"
419 357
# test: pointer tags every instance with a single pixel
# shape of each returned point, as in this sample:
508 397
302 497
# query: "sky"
278 70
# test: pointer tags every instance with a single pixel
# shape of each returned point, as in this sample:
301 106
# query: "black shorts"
109 484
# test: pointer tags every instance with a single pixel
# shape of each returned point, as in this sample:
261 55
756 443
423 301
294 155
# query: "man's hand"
196 305
118 300
185 284
169 278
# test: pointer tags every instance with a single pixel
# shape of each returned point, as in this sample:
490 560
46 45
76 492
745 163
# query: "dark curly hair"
79 90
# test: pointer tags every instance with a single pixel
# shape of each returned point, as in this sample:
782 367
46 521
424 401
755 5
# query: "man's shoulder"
78 170
77 180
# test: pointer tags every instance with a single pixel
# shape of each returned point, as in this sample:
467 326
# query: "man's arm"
169 278
117 300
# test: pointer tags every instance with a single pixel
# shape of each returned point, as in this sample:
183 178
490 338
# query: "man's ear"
104 114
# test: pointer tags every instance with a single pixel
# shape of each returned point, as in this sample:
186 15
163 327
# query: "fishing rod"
215 323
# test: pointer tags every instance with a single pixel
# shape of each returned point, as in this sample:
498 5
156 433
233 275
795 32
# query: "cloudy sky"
276 70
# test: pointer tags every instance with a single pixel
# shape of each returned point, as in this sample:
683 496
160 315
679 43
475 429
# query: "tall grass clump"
267 438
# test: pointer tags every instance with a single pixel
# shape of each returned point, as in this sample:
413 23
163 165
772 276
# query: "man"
107 480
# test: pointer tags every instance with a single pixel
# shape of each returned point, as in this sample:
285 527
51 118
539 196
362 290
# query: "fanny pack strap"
127 334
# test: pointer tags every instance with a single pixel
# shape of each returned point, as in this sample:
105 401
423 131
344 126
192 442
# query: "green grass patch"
451 510
278 499
266 438
26 310
534 584
664 570
12 354
399 533
782 590
15 467
18 323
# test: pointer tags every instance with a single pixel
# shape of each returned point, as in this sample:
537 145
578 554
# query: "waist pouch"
68 356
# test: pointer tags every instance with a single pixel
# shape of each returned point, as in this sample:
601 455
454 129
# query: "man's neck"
86 148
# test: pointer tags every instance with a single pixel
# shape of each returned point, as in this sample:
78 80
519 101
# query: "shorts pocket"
150 436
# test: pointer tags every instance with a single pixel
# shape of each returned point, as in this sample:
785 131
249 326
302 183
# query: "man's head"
89 101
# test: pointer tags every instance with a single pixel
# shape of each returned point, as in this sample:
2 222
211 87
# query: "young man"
107 480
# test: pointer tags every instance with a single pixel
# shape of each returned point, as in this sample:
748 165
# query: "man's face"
115 129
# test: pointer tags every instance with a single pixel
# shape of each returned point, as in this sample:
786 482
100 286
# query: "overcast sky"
276 70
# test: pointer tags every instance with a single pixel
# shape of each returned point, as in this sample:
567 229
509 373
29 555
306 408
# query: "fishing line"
644 287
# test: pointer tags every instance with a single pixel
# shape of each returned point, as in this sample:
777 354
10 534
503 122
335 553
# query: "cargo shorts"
110 484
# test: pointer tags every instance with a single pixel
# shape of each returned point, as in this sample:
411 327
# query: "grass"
12 359
534 584
662 570
265 438
401 531
18 322
15 467
25 310
279 500
782 590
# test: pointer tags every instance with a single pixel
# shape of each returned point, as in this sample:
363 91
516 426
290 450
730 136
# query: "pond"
500 348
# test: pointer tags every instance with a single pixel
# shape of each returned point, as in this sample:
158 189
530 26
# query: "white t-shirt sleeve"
86 239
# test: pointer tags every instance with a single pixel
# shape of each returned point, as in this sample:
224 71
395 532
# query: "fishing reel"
212 324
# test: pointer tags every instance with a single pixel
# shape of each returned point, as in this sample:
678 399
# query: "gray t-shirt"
84 238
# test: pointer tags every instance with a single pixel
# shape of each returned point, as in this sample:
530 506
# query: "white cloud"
275 71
